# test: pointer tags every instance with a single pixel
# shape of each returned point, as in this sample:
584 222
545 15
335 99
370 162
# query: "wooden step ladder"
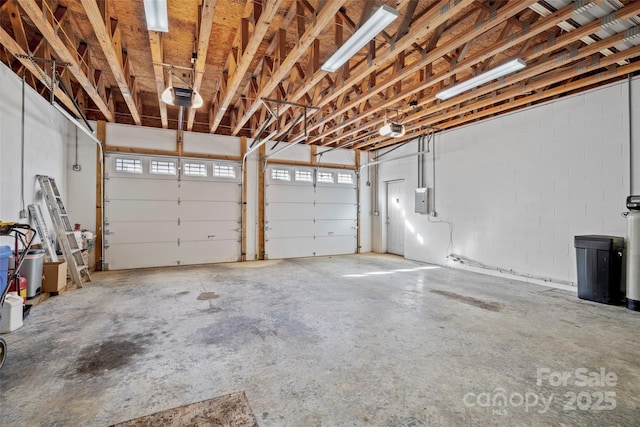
43 232
72 252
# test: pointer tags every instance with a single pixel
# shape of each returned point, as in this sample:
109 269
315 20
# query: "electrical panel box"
422 200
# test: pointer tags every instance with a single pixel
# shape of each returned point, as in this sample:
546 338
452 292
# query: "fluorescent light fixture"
378 22
182 97
156 13
391 129
499 71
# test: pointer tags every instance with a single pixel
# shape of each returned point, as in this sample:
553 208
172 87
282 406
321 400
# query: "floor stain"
490 306
182 293
114 353
207 296
212 310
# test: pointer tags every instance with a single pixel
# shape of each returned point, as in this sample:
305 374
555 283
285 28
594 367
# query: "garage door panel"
282 211
335 211
138 188
289 248
142 231
125 256
332 194
209 230
289 193
335 227
209 190
141 210
288 229
335 245
203 211
207 252
145 209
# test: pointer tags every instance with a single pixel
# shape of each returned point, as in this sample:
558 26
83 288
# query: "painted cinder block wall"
516 189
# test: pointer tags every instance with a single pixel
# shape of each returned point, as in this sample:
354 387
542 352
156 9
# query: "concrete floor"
337 341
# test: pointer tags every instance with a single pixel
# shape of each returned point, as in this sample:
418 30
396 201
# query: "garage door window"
224 171
195 169
345 178
128 165
304 176
325 177
162 167
280 174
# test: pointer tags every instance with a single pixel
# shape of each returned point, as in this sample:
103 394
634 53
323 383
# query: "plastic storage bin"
599 262
12 313
31 268
5 254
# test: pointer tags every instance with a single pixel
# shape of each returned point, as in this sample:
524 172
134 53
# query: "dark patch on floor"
113 353
490 306
207 296
182 293
211 310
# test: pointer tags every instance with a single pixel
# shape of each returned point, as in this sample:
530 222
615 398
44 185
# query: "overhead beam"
323 18
112 49
157 56
204 36
39 19
248 53
13 47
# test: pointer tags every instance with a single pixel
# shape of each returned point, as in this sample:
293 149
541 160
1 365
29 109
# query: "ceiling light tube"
155 11
497 72
376 23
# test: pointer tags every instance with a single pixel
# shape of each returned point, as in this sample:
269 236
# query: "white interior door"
395 217
155 219
303 219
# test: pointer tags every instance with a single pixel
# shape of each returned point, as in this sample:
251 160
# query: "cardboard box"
55 276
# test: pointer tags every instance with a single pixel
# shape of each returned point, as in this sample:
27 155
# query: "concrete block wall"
517 189
45 139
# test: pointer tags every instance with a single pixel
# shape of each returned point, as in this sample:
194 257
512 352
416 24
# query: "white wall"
45 135
518 188
81 185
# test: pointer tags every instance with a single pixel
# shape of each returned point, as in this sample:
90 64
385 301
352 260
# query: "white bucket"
11 313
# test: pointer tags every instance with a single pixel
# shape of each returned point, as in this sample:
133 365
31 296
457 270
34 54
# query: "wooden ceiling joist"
109 38
41 20
207 10
247 55
157 56
323 18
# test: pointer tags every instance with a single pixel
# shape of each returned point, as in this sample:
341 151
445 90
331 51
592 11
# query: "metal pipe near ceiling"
92 136
631 189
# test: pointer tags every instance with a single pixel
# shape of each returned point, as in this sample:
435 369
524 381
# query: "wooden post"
261 172
102 136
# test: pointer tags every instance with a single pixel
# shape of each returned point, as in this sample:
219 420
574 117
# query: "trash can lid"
606 243
5 251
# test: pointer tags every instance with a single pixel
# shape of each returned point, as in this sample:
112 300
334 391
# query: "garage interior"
346 212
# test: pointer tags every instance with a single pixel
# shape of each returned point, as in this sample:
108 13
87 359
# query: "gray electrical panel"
422 201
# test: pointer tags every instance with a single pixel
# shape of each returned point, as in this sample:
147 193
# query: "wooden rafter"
111 43
248 53
39 19
323 18
206 24
157 56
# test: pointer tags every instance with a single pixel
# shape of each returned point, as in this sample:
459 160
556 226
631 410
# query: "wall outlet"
434 214
23 213
76 168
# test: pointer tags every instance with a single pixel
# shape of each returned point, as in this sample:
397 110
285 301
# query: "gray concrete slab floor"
336 341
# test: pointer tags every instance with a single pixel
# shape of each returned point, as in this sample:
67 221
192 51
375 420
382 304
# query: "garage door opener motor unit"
633 253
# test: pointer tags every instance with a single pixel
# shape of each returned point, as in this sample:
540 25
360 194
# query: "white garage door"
157 217
309 212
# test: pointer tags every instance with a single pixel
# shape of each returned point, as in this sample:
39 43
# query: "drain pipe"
92 136
631 189
23 211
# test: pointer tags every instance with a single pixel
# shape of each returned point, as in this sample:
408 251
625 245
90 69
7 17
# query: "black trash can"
599 260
